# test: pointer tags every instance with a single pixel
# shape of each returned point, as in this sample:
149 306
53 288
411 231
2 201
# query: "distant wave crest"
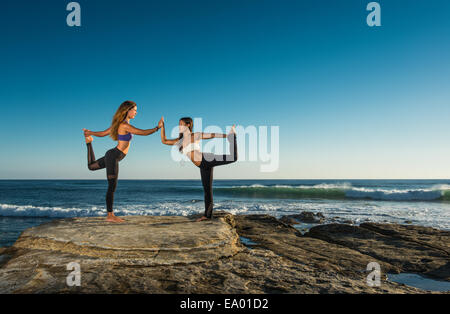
338 191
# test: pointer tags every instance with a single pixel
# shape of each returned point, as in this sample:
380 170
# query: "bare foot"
112 218
88 139
202 218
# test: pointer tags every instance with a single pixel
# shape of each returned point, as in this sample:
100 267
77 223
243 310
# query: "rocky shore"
230 254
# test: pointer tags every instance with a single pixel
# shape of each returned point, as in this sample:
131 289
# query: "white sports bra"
189 148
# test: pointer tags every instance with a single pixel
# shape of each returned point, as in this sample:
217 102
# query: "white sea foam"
168 208
421 213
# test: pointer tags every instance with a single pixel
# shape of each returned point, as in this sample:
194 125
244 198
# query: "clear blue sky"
351 101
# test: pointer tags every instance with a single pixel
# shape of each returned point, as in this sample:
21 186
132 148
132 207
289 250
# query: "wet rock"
289 220
425 236
306 217
411 249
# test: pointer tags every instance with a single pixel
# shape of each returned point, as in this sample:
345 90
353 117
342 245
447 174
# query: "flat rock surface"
178 255
151 240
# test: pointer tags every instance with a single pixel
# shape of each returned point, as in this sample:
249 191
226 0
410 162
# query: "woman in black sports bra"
121 131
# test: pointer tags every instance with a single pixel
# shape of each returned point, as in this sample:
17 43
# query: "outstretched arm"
131 129
207 136
98 134
164 140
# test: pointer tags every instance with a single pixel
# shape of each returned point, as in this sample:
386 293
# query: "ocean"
26 203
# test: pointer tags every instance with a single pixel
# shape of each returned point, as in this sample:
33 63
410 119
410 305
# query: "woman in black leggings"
122 132
188 145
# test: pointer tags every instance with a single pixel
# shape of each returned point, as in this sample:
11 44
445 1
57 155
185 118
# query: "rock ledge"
144 240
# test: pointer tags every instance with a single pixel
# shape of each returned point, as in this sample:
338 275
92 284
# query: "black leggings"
209 161
111 162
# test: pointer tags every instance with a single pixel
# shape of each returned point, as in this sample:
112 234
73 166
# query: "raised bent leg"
92 163
233 156
219 160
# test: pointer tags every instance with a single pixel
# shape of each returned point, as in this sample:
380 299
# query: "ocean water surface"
26 203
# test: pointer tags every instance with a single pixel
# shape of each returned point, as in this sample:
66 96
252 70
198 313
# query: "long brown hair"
119 116
190 124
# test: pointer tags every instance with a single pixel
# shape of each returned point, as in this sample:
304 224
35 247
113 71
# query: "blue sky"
351 101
